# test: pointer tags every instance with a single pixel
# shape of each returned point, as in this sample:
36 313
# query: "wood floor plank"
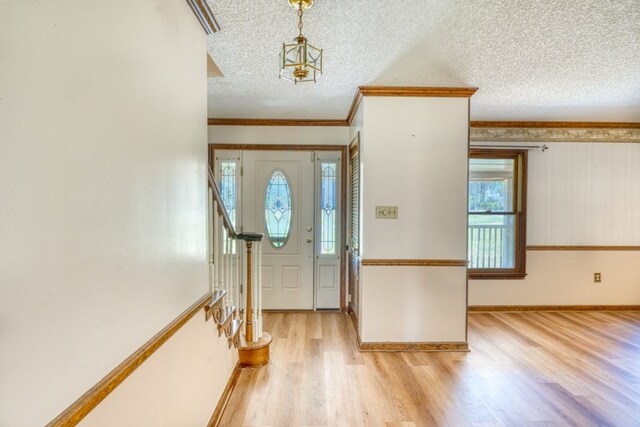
547 368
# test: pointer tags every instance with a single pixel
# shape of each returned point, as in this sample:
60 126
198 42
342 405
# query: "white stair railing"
225 263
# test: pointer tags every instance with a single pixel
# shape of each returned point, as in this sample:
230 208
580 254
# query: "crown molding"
205 16
354 107
543 134
275 122
455 92
555 125
481 131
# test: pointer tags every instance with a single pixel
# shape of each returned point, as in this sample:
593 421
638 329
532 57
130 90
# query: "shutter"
355 198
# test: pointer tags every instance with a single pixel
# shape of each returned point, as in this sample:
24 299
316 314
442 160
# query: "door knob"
308 239
309 228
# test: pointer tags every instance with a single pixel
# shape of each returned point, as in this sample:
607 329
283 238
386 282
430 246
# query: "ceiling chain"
300 17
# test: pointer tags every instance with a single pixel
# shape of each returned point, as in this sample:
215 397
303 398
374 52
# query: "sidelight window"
328 201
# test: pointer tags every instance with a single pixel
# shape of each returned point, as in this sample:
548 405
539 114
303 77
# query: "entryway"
293 197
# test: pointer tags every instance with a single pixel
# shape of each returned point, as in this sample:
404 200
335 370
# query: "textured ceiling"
532 60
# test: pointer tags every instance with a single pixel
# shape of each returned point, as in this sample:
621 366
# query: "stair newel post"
254 350
249 307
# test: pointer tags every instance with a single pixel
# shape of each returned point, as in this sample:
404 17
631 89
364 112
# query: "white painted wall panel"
415 157
578 194
566 278
156 395
413 304
103 189
584 194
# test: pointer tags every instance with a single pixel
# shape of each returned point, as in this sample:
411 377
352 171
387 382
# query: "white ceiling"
532 60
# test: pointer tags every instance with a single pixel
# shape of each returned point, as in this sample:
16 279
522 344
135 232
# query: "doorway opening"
295 196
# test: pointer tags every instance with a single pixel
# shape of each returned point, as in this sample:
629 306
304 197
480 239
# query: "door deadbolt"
308 239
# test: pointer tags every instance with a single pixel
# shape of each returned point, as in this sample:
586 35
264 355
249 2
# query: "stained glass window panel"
328 208
278 207
228 188
228 192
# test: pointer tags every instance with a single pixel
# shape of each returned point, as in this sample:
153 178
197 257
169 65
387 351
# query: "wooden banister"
254 347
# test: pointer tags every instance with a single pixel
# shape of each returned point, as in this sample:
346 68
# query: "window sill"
496 275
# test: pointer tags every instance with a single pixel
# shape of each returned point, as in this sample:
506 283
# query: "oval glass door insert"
278 207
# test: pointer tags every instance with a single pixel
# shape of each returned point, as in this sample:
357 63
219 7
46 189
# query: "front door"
278 200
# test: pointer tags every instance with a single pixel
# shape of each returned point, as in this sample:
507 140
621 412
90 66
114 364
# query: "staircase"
235 307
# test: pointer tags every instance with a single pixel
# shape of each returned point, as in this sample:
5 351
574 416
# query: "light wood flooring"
561 368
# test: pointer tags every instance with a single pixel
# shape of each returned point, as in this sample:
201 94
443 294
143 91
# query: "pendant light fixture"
300 62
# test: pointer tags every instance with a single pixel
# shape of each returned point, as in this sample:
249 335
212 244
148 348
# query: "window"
228 188
497 208
278 209
328 201
228 192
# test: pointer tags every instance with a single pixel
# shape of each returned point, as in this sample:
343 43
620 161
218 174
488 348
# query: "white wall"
288 135
156 395
415 157
584 194
579 194
102 171
566 278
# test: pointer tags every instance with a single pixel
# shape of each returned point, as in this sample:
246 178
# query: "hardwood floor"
544 368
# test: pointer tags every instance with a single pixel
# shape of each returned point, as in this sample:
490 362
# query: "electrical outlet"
597 278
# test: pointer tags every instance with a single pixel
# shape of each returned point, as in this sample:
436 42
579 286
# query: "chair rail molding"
92 398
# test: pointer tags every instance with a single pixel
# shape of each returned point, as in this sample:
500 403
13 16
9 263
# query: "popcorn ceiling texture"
532 60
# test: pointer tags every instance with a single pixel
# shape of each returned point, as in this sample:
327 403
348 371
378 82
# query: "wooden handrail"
222 210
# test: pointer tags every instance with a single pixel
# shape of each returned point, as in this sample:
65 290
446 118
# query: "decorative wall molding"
555 125
536 134
444 92
92 398
216 418
413 346
203 12
275 122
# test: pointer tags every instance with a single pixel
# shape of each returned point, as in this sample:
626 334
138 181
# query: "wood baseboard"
354 320
92 398
226 395
413 346
516 308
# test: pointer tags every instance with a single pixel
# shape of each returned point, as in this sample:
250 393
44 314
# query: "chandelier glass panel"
300 61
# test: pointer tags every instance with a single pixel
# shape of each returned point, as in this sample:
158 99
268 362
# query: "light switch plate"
387 212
